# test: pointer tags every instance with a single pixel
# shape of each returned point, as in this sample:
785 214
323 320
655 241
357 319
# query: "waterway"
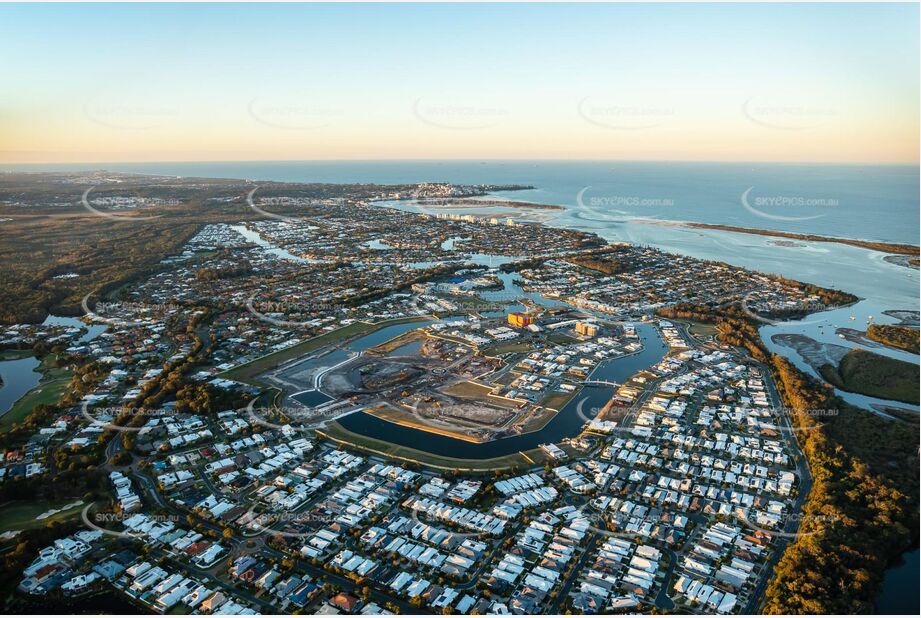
21 375
874 202
270 248
880 285
566 424
311 398
899 594
92 330
107 602
317 365
412 348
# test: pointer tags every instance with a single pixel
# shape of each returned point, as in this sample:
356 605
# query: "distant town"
315 403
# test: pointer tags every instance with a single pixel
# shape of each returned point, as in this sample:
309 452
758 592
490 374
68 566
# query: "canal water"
21 375
92 330
706 192
413 348
271 248
899 594
314 366
622 369
311 398
566 424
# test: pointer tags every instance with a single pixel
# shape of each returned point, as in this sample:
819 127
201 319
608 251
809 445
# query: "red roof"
344 601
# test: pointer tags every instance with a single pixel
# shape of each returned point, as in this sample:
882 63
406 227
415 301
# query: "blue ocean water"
640 202
636 201
870 202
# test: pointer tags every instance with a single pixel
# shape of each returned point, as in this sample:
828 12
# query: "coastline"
410 454
481 202
883 247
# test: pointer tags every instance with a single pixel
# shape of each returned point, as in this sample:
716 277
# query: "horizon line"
913 163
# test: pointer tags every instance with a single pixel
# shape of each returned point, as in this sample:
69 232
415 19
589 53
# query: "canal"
19 374
566 424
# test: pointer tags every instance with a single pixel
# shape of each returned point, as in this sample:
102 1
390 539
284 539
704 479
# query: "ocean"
870 202
644 202
641 202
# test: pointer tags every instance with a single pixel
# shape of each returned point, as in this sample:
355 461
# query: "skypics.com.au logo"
619 208
125 313
111 417
280 313
104 521
786 116
109 214
291 113
777 207
458 116
761 310
620 116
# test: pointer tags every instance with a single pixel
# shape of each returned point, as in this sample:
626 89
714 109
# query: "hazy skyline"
100 83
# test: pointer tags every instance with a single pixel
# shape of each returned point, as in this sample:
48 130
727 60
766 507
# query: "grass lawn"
245 373
53 384
337 432
875 375
6 355
699 329
22 515
557 400
537 421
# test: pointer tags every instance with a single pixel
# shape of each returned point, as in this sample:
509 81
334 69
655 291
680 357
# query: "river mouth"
567 423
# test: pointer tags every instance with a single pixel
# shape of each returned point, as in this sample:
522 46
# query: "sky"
213 82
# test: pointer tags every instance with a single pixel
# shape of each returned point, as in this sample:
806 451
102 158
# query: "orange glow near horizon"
709 82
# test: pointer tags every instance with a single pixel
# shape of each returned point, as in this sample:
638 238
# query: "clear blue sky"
230 81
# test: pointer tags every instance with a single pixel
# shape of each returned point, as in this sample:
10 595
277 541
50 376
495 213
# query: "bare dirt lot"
367 375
